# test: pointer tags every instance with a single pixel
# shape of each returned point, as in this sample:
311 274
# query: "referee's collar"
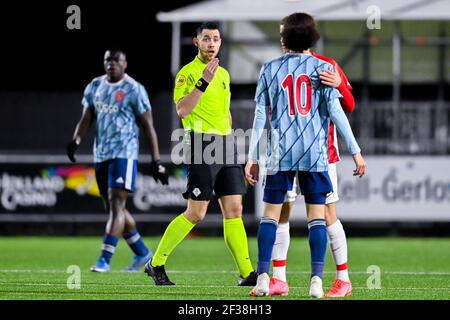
198 60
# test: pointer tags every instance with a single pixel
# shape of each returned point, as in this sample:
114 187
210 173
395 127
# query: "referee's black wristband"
202 84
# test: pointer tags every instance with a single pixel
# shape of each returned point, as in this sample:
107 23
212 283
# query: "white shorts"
332 197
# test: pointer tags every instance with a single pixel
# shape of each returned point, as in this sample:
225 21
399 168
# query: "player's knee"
115 222
330 215
195 215
130 224
117 209
234 209
286 212
117 217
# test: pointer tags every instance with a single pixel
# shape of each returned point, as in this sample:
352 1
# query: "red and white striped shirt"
347 103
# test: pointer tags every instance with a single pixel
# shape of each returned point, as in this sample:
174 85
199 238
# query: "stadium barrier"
395 189
62 192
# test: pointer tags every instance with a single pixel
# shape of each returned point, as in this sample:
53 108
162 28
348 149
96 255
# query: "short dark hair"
299 32
207 25
114 50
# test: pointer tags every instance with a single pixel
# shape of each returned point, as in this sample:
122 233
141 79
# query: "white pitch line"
424 273
31 271
220 286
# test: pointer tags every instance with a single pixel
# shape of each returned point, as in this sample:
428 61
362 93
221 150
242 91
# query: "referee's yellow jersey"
211 114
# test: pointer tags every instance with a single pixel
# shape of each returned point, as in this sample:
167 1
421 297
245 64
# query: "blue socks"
108 247
318 245
133 239
266 238
136 244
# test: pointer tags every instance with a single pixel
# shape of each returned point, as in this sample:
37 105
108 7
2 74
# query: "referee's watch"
202 84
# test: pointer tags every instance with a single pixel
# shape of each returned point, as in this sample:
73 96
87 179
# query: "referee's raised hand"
210 70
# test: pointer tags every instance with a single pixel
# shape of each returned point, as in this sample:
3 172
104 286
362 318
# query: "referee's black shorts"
223 178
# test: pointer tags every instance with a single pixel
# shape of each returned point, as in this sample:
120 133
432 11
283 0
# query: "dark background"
45 67
40 53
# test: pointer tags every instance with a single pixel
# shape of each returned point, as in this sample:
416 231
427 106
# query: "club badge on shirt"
181 80
120 95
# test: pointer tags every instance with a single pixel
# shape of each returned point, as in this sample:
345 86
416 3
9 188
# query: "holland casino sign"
150 193
28 191
41 188
55 189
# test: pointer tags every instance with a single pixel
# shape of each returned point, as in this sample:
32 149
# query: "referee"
202 97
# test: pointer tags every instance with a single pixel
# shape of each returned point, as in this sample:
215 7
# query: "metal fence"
380 128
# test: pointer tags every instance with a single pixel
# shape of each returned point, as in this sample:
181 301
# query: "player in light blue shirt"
115 106
118 105
298 108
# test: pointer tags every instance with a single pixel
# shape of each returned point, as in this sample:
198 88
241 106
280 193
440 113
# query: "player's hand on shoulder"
331 78
360 165
159 172
72 147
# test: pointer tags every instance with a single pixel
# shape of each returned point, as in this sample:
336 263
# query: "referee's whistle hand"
210 70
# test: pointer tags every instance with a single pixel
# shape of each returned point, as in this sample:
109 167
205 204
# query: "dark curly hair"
299 32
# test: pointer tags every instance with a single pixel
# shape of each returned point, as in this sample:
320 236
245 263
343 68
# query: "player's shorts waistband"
206 148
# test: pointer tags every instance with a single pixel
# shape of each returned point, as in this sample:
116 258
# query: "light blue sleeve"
87 96
262 90
142 102
259 123
339 118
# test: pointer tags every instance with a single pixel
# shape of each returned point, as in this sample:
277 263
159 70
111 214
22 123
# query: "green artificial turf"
202 268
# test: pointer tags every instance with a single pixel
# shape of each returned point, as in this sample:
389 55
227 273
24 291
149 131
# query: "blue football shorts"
314 186
117 173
